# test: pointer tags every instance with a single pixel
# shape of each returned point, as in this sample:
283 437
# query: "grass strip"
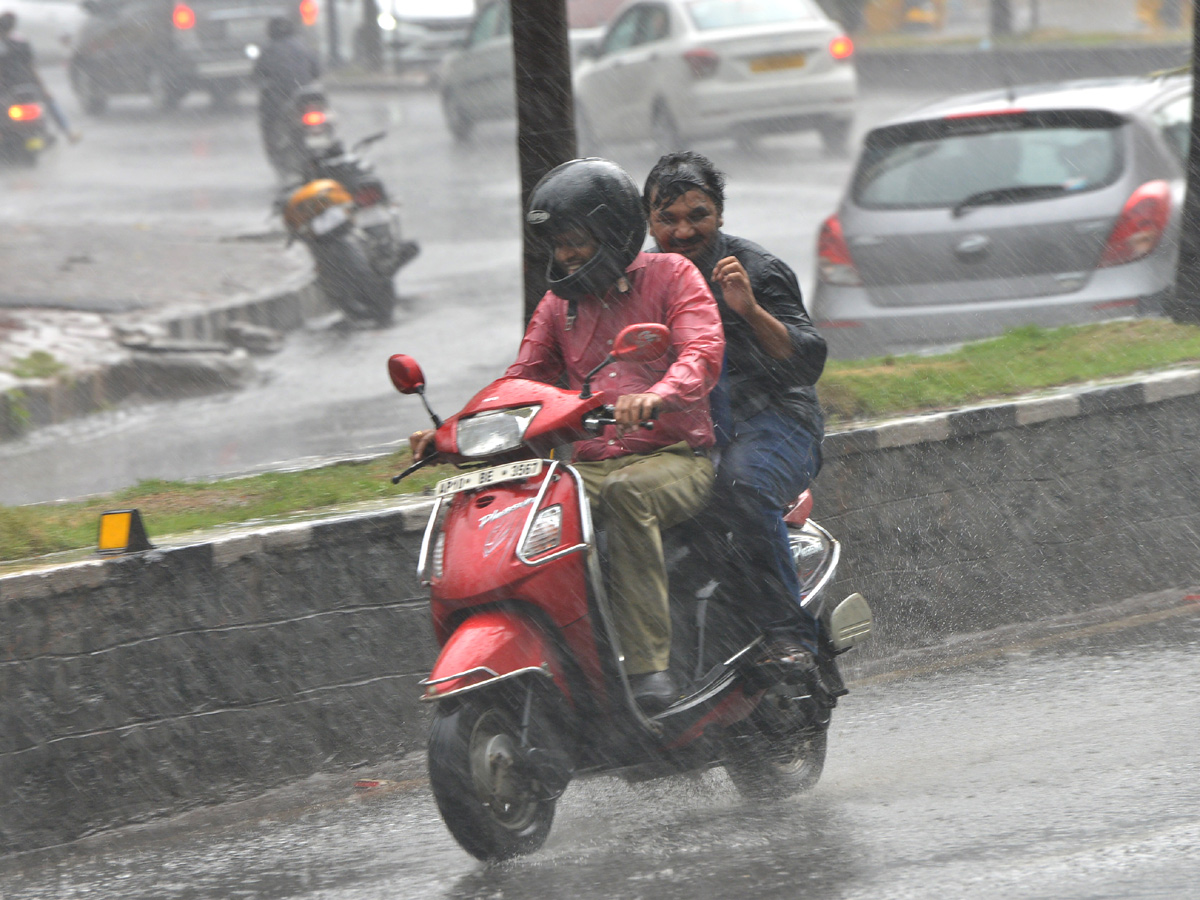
1024 360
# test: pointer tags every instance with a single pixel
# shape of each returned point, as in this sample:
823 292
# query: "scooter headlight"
494 432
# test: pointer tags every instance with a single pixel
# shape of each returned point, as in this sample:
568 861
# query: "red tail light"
702 61
25 112
183 17
369 196
308 12
833 255
313 117
841 47
1140 226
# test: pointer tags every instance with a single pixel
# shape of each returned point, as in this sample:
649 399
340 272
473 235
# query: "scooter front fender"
490 647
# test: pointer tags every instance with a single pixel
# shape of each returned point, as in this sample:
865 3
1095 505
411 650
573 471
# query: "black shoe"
653 691
790 654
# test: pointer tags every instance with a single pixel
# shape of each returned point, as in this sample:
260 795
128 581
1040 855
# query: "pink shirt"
666 288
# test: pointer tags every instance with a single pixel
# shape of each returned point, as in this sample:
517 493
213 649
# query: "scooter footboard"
490 647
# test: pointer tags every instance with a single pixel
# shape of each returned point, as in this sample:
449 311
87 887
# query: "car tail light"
183 17
1140 226
308 12
313 117
841 47
702 61
981 113
25 112
833 255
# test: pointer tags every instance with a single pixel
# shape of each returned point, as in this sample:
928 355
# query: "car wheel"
835 136
91 96
165 92
460 124
663 130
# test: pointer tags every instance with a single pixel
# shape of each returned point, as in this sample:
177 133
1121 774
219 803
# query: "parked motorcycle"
530 688
342 212
23 131
375 212
322 214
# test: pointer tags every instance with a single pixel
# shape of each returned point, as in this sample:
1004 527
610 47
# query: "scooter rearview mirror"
643 342
406 374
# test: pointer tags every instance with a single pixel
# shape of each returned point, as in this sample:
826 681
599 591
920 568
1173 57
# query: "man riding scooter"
17 68
643 480
769 423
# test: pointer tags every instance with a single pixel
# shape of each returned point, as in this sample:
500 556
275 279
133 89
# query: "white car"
477 78
50 26
422 32
677 71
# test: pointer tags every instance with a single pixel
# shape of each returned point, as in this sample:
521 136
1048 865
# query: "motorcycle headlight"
494 432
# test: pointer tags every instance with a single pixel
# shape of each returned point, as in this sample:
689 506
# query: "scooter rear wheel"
486 796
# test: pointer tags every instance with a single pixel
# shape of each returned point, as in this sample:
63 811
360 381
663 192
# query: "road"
327 393
1055 764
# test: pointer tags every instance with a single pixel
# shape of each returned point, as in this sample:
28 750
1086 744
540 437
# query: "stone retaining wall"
140 685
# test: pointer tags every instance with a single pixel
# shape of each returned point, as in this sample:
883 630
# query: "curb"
977 420
147 375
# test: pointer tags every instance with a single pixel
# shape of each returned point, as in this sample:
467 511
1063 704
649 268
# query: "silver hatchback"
1051 204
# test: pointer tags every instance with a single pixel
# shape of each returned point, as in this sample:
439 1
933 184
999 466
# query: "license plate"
35 143
527 468
775 63
328 220
374 215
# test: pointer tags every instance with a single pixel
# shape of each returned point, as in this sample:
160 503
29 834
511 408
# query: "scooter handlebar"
599 419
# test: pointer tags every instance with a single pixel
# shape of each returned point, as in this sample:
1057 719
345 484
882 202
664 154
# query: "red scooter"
530 687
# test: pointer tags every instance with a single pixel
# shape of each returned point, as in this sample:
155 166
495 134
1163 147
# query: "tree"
545 113
1184 306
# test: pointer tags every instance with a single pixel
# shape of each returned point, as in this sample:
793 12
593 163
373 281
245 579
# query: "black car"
167 48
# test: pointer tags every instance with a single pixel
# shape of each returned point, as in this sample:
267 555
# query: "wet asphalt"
1058 764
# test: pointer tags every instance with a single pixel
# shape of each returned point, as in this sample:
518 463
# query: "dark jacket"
284 66
16 63
754 380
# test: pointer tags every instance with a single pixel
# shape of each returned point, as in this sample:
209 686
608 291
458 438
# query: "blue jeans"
769 461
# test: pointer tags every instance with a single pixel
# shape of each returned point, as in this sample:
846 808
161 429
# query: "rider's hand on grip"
636 411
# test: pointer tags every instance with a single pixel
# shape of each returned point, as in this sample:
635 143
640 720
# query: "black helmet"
599 197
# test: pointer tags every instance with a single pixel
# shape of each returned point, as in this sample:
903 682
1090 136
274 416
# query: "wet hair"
8 21
677 173
280 27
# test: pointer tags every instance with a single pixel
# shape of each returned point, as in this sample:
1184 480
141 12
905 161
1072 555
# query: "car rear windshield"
943 162
709 14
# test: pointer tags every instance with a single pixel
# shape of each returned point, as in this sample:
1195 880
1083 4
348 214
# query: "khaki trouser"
633 497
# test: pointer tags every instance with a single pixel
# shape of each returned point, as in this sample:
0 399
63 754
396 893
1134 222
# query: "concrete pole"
1185 306
545 113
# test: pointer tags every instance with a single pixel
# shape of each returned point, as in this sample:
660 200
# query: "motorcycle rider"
769 423
638 480
17 67
285 65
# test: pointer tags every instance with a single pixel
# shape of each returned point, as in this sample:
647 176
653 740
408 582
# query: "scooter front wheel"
484 791
764 766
